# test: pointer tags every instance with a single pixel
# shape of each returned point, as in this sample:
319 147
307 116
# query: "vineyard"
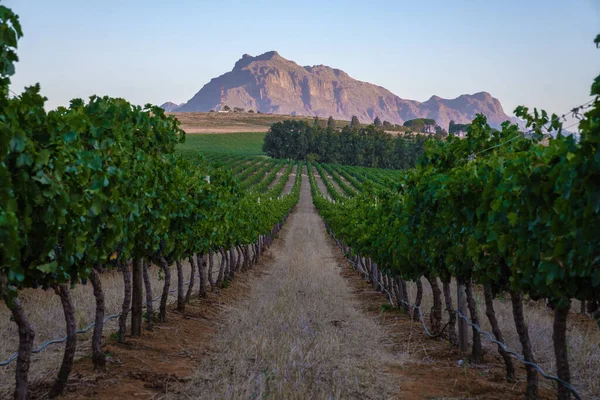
248 143
475 274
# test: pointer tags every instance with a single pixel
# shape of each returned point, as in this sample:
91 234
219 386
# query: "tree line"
366 146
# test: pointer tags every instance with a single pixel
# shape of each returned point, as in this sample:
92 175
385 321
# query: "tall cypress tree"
331 122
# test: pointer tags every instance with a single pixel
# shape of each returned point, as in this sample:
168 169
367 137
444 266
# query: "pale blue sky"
531 52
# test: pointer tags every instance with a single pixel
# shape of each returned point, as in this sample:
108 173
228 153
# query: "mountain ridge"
170 106
270 83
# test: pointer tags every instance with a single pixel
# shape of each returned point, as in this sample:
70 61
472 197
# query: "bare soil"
287 189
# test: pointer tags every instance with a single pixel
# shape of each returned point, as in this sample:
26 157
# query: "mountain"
168 106
272 84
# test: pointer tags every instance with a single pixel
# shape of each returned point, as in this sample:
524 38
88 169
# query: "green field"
249 143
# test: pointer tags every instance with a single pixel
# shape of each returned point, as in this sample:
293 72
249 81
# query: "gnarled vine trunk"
246 251
180 293
491 314
532 377
192 261
26 337
435 315
219 281
137 296
477 352
238 263
231 263
397 291
559 336
418 299
451 312
201 261
98 357
71 344
162 311
405 295
149 300
126 301
211 280
375 274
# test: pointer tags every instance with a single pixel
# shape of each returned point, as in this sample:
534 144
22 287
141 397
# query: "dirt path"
320 183
289 185
278 176
300 332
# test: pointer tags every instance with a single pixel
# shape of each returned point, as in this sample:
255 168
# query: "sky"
538 53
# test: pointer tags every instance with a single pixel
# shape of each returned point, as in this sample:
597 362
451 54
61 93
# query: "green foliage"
354 122
245 143
421 125
377 122
455 128
331 123
288 139
10 33
366 146
100 182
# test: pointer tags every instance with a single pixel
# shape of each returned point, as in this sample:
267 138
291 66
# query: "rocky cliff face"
271 84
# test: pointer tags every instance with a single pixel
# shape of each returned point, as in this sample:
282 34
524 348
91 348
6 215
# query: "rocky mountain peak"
272 84
247 59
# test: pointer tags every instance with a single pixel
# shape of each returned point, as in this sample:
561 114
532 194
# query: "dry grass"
199 122
300 333
583 336
45 313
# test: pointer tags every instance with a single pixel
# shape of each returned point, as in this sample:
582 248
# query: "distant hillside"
168 106
272 84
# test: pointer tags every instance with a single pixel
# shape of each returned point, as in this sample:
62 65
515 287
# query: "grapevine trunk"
126 301
137 296
435 316
162 312
71 344
98 358
451 312
491 314
522 331
559 336
26 337
476 352
418 299
192 261
149 302
180 293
